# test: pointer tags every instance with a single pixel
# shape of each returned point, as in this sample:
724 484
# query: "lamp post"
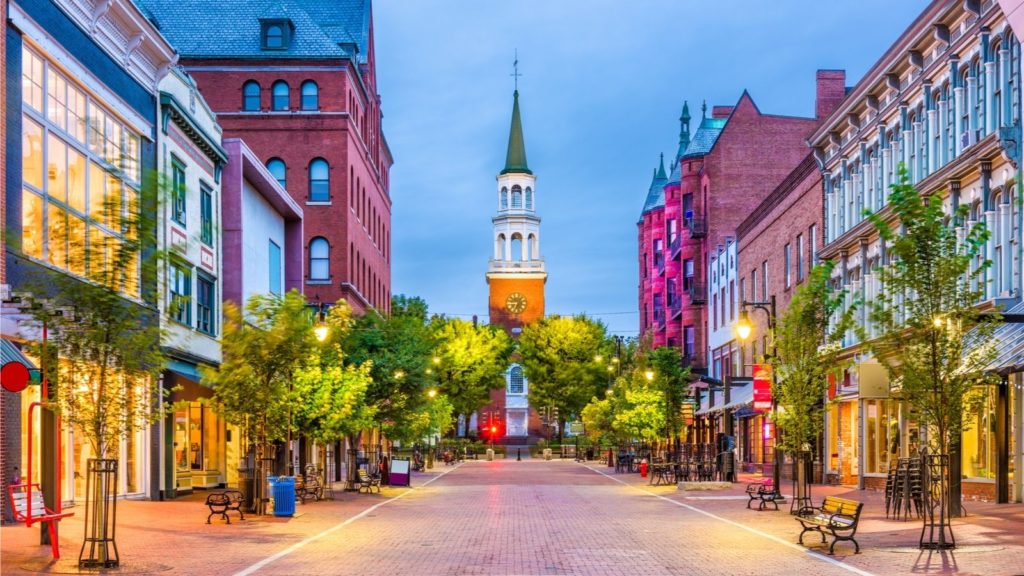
431 394
743 331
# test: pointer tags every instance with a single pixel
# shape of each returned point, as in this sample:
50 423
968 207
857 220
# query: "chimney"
831 89
721 111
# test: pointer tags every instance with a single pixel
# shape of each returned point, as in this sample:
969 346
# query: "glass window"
881 430
279 171
515 385
32 153
274 37
179 288
32 224
178 192
319 181
979 436
280 95
310 95
31 80
799 257
529 198
813 233
76 114
504 198
206 215
274 264
786 257
251 96
57 236
764 281
517 197
206 303
319 259
56 101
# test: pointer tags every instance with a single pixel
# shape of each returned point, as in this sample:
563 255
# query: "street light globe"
431 393
598 358
649 375
610 391
321 331
399 374
437 360
743 327
937 321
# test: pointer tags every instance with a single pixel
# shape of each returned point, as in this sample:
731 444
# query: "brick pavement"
530 517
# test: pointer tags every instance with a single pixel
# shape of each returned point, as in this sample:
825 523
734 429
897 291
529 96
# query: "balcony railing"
659 317
659 263
698 227
509 265
673 247
698 293
675 306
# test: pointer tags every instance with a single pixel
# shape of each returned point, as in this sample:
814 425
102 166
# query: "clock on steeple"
516 272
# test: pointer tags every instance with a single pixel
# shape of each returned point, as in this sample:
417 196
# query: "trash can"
490 454
284 495
547 453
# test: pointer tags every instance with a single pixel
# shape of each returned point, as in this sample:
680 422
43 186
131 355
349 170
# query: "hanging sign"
762 387
14 376
688 407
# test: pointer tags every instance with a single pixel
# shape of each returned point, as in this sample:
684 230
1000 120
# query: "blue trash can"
284 496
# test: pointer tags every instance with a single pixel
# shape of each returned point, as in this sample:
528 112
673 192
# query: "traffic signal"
494 430
554 414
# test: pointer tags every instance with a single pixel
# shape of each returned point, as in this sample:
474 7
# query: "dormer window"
275 34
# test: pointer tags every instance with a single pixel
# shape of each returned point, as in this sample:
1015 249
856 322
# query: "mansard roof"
322 28
705 137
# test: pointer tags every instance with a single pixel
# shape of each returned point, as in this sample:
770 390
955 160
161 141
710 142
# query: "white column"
1017 491
972 102
958 127
990 105
886 163
1005 233
940 156
906 145
931 146
990 255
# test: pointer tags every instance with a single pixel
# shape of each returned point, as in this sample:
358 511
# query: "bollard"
643 468
519 455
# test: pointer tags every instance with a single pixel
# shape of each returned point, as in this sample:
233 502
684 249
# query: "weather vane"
515 70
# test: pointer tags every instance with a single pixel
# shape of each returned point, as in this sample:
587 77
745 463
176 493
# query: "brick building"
944 100
299 86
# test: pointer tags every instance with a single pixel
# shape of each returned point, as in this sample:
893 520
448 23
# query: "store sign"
14 376
872 380
688 408
762 387
576 428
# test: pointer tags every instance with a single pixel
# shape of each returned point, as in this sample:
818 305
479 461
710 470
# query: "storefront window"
881 431
198 438
979 436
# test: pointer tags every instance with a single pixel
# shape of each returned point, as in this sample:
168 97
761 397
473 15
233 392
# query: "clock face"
515 303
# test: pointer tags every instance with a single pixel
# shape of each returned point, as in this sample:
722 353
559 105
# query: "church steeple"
515 159
684 131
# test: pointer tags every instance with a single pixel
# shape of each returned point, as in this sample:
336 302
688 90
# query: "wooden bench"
368 481
763 491
28 507
838 516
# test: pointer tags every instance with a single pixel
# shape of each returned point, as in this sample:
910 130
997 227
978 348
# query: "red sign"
831 386
762 387
14 376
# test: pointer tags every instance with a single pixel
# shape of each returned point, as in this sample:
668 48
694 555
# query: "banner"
762 387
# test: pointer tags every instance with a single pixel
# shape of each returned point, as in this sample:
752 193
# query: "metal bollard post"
519 456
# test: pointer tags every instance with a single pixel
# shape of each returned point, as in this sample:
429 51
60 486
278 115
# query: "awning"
740 397
705 409
184 387
1009 341
9 352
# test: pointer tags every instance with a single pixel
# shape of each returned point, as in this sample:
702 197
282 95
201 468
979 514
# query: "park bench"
222 502
663 473
368 481
28 507
471 453
765 492
838 516
309 487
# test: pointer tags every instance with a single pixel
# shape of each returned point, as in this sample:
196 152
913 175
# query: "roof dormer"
276 33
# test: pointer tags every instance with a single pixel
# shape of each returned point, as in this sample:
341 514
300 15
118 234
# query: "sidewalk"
990 539
173 537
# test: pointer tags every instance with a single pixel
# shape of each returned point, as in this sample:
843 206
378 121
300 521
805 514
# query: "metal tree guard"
100 516
937 531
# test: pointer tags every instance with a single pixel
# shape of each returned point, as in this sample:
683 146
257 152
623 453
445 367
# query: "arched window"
531 245
251 96
319 181
979 75
517 247
515 380
499 248
529 198
517 197
279 92
504 198
274 36
278 170
319 259
310 95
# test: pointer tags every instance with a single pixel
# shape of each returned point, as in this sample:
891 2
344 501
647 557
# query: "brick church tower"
516 277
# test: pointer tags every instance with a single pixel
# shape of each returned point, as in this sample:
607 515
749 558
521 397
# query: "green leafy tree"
599 419
641 412
807 354
563 357
470 361
672 380
397 348
934 342
262 347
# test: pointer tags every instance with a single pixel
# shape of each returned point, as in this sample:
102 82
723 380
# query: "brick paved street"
529 517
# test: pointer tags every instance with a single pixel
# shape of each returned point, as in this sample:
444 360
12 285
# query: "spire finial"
660 174
515 159
704 109
686 112
515 71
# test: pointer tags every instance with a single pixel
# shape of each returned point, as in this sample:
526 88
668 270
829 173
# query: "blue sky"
601 90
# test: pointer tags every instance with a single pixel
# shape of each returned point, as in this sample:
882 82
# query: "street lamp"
649 374
743 331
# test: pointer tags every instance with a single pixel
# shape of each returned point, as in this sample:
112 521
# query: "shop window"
881 435
979 437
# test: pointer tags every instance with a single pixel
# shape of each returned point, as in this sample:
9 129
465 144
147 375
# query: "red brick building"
733 160
299 87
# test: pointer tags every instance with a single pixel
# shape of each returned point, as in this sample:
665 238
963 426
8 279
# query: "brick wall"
791 209
357 221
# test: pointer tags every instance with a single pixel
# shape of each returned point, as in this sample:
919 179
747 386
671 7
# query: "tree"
470 361
103 352
262 349
641 412
672 380
934 342
397 348
807 354
560 356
